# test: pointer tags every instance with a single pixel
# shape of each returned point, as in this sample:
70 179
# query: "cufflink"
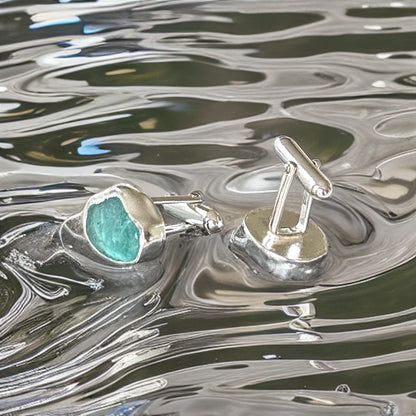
285 243
122 225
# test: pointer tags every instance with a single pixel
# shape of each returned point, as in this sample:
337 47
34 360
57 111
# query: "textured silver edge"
245 244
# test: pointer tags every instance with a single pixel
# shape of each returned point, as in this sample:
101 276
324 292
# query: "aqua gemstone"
111 230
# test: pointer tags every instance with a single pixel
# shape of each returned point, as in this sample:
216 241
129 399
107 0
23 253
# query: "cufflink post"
285 243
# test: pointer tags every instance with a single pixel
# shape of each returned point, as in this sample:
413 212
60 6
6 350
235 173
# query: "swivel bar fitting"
315 183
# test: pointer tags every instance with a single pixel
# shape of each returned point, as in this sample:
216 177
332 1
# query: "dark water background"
174 96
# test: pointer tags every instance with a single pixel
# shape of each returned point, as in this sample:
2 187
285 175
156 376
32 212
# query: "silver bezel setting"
142 211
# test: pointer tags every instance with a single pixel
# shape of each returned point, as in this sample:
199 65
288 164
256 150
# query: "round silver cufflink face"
284 243
124 225
287 256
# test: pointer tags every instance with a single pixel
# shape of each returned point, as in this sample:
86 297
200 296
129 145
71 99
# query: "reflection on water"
176 96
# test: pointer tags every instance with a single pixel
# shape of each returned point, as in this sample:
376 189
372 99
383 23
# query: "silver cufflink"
124 226
285 243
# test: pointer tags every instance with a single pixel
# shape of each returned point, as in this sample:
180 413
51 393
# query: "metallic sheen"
146 213
285 243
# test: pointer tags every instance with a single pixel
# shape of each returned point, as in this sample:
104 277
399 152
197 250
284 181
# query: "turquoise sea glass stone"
111 230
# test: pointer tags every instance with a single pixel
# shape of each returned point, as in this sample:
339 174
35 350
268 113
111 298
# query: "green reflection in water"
239 23
323 142
174 73
60 148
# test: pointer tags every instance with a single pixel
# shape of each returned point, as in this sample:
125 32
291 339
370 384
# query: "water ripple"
175 96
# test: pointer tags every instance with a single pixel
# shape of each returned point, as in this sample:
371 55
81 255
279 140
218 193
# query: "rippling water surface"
178 95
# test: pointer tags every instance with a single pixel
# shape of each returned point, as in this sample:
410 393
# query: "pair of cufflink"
124 226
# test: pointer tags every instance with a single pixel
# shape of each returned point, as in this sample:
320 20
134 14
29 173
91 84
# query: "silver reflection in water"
173 96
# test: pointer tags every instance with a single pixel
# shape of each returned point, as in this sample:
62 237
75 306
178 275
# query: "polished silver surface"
198 217
276 215
144 211
284 243
288 257
196 330
312 179
193 198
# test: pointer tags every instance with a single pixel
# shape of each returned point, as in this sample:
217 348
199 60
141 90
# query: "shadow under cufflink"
288 245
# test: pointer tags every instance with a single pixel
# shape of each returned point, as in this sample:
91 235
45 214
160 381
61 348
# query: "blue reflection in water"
128 409
88 29
55 22
89 147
